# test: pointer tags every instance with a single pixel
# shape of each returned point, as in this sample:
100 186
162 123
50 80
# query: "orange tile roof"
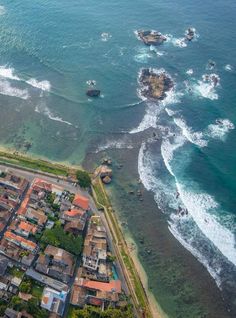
81 201
27 227
113 285
42 184
17 238
74 212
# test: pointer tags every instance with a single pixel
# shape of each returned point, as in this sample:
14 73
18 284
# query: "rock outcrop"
190 34
93 92
154 84
151 37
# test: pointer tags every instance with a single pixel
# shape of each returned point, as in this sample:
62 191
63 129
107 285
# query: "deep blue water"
50 49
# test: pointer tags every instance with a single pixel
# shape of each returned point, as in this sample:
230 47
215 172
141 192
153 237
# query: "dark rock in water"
93 92
151 37
154 84
190 34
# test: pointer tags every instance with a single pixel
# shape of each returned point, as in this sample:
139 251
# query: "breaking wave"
9 73
196 138
45 111
8 90
42 85
220 129
206 87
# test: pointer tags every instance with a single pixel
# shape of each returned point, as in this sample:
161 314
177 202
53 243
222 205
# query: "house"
95 293
74 214
57 263
43 279
20 241
81 201
36 216
53 300
23 228
3 265
95 245
75 227
10 313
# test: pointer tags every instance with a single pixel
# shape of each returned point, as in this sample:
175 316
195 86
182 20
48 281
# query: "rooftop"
81 201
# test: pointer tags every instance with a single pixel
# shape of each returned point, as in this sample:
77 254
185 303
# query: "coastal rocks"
93 92
106 161
106 180
190 34
151 37
154 83
105 173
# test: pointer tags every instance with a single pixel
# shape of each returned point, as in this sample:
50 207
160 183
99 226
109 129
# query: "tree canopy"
84 179
57 237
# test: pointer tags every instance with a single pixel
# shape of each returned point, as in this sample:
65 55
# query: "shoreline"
179 283
156 309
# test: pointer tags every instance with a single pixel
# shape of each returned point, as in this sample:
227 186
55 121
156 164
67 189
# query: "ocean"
49 53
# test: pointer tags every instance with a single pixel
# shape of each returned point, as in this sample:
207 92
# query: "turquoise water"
50 49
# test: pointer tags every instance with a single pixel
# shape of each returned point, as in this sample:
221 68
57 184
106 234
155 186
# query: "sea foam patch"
7 89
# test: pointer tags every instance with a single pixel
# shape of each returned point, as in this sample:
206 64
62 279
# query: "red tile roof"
74 213
11 236
81 201
112 286
27 227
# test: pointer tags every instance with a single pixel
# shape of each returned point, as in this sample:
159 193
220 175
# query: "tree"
25 287
84 179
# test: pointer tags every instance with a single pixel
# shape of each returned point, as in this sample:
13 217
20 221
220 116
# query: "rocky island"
151 37
154 84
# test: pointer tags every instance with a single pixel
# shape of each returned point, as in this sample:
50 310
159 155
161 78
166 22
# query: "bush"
57 237
84 179
25 287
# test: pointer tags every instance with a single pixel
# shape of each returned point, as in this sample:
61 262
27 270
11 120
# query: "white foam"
170 112
2 10
207 86
114 145
45 111
200 207
228 67
196 138
189 71
168 148
143 55
43 85
220 129
105 36
8 72
8 90
153 110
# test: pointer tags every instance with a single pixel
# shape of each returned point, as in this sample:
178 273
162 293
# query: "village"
55 254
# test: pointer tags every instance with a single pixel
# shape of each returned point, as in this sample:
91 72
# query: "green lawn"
37 290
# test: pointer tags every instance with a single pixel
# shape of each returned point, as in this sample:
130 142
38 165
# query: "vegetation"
30 286
32 307
57 237
3 174
94 312
3 307
36 164
16 272
83 178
